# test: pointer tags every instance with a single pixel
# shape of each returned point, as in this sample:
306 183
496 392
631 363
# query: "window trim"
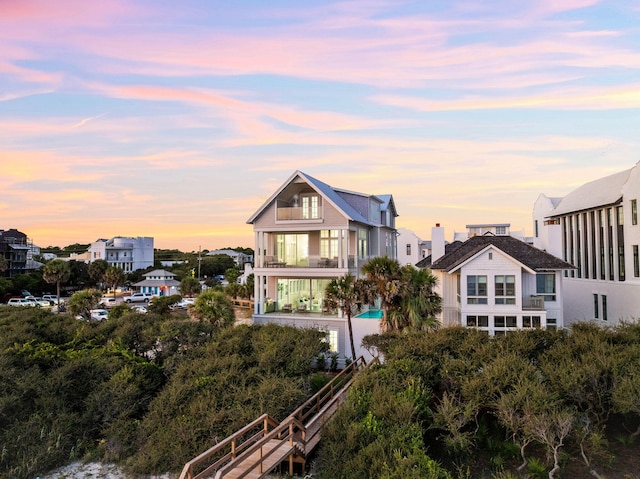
505 291
477 296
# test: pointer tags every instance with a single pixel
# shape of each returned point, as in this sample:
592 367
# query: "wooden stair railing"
235 443
258 442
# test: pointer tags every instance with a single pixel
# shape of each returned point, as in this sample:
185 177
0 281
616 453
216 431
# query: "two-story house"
497 283
158 282
307 233
595 228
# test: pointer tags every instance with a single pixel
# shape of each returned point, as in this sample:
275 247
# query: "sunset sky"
177 120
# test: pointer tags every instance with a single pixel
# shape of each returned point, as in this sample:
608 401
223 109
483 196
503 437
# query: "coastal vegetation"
455 403
146 391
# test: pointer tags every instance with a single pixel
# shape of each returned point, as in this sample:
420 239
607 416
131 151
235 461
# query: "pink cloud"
350 44
585 98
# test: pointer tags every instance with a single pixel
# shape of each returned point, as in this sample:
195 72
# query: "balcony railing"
533 303
310 262
297 213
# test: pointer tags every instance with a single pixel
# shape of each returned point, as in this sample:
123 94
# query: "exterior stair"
255 450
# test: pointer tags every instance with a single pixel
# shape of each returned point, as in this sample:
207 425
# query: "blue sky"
178 119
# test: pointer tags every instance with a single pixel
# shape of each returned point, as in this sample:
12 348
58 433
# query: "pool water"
372 313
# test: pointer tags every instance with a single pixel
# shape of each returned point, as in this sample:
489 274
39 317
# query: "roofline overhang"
590 208
253 217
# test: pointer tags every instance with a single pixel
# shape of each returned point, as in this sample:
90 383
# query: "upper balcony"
297 213
307 211
533 303
309 262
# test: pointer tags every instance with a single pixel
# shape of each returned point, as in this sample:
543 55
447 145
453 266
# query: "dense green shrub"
147 391
553 395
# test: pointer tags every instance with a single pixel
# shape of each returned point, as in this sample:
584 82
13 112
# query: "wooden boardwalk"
262 445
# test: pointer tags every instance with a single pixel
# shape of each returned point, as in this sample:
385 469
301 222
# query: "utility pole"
199 261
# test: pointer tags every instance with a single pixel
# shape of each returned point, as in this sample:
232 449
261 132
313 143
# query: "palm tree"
97 269
383 274
56 271
419 303
345 293
215 307
113 277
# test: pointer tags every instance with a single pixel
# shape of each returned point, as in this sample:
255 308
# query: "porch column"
258 293
344 248
259 238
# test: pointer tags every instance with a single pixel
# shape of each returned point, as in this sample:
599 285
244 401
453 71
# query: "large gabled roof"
601 192
529 256
448 248
328 192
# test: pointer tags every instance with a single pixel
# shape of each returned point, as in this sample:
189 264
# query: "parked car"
21 302
138 297
138 308
40 303
52 298
107 302
184 303
99 314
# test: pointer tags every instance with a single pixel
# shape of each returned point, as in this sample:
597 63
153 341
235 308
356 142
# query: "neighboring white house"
159 283
497 229
595 228
239 258
306 234
128 254
496 283
411 248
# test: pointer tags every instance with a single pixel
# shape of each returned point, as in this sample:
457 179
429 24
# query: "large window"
298 293
478 321
531 321
362 244
329 243
546 285
293 249
505 321
476 289
620 235
634 212
605 313
636 261
596 306
332 339
505 289
310 207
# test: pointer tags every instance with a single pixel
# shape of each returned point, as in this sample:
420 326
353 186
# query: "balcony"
533 303
297 213
310 262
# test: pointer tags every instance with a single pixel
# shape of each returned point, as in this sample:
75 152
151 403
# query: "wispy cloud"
194 114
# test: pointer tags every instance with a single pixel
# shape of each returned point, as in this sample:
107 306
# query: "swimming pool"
372 313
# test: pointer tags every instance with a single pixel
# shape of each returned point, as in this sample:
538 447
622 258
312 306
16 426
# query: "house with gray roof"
595 228
497 283
307 233
158 282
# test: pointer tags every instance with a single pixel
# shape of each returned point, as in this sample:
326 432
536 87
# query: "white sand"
94 470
